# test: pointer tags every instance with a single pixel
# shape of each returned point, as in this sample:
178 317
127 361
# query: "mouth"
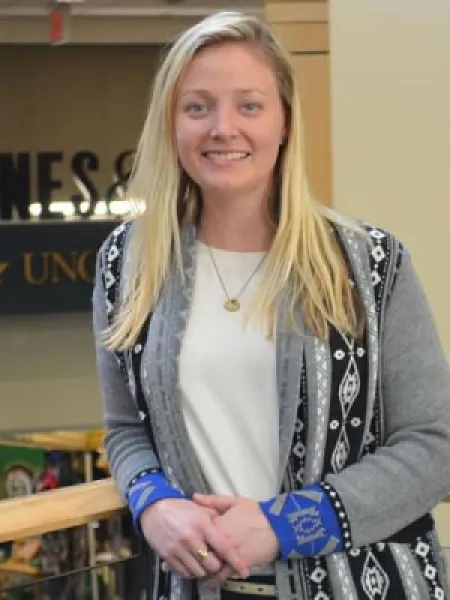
224 157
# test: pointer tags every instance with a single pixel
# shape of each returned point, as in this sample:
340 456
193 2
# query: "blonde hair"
304 254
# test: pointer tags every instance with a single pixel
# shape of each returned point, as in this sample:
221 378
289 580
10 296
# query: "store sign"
17 171
49 267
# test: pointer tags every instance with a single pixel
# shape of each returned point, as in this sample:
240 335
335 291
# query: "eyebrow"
202 92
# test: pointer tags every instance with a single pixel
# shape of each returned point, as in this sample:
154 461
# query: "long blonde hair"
304 254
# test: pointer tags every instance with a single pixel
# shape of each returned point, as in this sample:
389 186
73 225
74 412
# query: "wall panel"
303 29
70 99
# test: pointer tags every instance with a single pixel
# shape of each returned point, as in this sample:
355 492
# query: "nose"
223 123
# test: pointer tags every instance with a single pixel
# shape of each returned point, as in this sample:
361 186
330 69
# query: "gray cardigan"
400 469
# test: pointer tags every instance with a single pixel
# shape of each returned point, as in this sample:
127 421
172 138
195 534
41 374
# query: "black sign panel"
49 266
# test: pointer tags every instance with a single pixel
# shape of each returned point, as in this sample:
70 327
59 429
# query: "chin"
225 187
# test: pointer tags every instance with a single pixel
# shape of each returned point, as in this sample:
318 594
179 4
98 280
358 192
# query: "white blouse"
228 381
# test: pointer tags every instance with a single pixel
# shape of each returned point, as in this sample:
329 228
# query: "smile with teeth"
226 156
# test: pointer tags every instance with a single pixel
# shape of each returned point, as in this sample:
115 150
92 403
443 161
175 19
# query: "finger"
225 573
225 551
176 565
212 564
221 503
208 561
192 564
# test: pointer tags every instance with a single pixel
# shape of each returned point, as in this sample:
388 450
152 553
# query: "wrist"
156 509
148 492
305 523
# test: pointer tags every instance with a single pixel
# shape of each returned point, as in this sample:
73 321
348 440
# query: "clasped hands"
210 537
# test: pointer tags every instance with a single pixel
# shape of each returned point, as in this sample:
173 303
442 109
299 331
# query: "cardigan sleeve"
406 477
126 442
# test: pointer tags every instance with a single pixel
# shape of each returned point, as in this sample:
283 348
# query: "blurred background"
75 78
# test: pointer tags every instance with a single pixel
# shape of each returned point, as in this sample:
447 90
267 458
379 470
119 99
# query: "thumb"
220 503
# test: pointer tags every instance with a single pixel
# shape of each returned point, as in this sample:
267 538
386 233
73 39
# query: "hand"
177 529
243 523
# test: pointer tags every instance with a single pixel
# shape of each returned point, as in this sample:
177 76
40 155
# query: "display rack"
85 442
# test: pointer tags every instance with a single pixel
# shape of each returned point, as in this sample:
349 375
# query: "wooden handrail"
58 509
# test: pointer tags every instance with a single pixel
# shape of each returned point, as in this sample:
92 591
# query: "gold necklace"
232 303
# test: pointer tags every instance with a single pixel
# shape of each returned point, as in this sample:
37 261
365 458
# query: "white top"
228 383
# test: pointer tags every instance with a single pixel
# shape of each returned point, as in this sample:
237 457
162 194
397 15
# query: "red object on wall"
56 26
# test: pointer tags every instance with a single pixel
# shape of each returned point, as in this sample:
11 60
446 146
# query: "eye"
196 108
251 107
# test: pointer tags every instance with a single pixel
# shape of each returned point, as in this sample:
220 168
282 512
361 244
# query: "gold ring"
203 553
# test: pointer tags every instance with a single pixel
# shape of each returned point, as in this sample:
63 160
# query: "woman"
277 403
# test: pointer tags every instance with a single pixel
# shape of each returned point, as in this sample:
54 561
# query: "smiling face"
229 120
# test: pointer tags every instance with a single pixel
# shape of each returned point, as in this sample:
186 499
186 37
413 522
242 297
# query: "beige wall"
47 373
391 127
313 74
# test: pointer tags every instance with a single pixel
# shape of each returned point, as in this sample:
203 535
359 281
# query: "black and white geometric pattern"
374 573
380 254
298 451
316 573
374 579
404 560
340 512
322 379
424 552
130 360
348 409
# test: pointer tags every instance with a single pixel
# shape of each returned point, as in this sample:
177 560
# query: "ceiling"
31 8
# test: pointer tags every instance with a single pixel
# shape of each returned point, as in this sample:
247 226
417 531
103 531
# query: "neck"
237 224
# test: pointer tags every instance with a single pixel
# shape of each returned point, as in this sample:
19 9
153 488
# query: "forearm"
391 489
128 453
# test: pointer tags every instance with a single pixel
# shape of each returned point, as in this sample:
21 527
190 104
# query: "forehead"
228 65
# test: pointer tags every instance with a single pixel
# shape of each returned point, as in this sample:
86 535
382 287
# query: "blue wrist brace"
305 523
148 489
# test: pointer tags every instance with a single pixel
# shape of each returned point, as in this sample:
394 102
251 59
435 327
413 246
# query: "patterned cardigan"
368 419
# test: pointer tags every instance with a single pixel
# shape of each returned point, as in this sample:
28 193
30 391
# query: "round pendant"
232 305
